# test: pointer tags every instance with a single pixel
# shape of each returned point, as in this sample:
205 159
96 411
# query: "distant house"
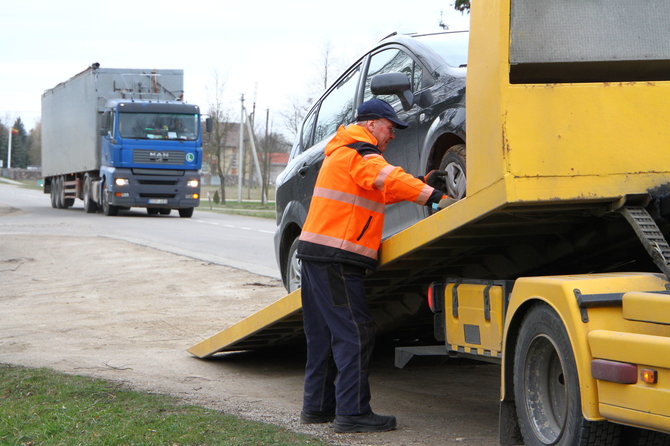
231 142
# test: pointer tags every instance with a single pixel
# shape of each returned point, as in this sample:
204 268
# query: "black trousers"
340 338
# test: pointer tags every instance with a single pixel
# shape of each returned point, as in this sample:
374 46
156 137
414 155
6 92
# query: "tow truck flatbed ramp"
472 238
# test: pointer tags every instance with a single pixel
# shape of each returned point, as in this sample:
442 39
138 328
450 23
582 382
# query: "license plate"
157 200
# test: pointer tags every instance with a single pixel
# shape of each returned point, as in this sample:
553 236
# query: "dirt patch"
111 309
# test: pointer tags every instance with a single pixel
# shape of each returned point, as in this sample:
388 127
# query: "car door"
404 150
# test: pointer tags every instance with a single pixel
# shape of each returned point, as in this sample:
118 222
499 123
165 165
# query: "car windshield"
158 126
453 46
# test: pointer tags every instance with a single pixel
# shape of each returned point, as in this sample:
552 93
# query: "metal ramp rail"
472 239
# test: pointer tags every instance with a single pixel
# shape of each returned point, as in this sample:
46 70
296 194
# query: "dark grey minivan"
433 103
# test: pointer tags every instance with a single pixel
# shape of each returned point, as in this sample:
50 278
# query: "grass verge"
43 407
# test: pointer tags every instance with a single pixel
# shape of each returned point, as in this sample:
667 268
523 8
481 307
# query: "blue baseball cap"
377 109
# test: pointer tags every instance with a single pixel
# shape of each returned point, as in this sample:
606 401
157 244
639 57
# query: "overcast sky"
268 50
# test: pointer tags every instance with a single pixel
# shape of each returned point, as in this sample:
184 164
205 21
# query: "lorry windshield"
158 126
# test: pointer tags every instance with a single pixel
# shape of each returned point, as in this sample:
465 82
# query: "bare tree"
216 144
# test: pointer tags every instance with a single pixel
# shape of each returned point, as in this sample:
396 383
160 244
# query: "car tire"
292 271
453 162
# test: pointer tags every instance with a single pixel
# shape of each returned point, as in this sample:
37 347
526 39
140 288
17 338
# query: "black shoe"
364 423
316 417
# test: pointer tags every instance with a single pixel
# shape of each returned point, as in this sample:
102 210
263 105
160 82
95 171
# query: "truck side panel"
70 140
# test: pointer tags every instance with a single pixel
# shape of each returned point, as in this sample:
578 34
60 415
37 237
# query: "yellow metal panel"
634 348
647 307
587 129
643 398
635 418
283 307
469 328
487 72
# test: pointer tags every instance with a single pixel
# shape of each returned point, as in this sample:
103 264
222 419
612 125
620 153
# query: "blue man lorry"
122 138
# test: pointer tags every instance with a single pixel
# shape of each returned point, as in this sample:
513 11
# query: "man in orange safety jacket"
339 241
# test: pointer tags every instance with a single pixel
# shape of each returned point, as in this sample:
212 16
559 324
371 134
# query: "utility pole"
240 152
9 148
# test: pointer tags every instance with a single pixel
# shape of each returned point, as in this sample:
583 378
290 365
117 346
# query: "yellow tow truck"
555 264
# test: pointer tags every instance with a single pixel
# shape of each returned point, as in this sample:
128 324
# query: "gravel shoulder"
111 309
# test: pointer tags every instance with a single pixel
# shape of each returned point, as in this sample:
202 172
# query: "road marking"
228 225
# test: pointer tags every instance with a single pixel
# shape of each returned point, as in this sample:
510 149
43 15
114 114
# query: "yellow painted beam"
258 321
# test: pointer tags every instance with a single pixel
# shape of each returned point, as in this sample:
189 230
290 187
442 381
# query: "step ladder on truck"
555 264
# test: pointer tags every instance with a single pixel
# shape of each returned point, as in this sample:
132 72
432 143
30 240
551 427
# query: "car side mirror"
208 125
394 83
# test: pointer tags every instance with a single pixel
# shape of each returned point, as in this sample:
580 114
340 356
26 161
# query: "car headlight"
121 181
193 183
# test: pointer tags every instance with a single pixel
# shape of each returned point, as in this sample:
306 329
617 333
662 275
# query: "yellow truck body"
551 165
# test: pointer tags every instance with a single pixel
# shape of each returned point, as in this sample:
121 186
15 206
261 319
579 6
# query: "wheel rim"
294 277
545 389
455 180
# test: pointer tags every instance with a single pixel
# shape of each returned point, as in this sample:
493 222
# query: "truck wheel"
52 194
59 192
453 162
152 211
293 275
108 209
546 388
186 213
165 211
89 205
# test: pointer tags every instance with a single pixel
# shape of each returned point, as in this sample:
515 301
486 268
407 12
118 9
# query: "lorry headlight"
193 183
121 181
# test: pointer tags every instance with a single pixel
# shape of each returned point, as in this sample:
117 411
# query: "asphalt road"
231 240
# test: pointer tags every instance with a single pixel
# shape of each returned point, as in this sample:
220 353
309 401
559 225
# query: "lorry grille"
158 157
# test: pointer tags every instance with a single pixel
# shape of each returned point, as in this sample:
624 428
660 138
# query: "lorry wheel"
108 209
453 162
89 205
58 182
152 211
546 388
293 275
165 211
52 194
186 213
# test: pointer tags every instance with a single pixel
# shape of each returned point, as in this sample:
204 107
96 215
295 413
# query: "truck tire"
186 213
107 209
52 193
165 211
89 205
546 387
453 162
152 211
58 182
293 276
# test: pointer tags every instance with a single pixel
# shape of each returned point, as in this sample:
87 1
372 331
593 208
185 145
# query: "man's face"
383 130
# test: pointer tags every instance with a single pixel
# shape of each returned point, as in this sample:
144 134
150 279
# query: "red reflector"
649 376
614 371
431 299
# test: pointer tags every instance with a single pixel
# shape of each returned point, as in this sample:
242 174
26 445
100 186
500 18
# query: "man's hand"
446 201
435 179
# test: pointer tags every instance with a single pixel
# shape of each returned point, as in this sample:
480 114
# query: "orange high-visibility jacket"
346 216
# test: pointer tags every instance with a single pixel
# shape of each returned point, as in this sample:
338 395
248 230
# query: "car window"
393 60
338 106
307 130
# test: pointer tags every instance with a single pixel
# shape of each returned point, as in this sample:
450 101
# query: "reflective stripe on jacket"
346 214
